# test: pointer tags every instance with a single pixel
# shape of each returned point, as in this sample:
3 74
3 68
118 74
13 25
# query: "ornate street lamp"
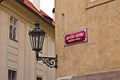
37 38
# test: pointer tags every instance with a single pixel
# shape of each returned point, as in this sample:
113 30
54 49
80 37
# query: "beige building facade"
17 60
99 57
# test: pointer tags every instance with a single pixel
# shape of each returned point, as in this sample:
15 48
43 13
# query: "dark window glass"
39 78
12 75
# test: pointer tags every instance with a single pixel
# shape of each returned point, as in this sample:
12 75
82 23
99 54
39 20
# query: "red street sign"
76 37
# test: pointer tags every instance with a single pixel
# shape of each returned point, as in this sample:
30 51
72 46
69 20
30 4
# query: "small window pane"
14 33
10 34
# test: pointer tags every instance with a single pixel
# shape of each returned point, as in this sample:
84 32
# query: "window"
91 3
39 78
12 75
92 0
13 29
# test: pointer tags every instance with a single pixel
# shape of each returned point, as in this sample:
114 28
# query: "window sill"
13 40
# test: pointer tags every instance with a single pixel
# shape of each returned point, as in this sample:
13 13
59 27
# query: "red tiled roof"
40 13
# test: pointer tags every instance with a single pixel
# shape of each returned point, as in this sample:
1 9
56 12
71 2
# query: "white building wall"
18 55
12 55
27 55
3 44
21 50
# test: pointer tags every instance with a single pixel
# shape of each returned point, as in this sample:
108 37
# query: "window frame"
95 3
13 29
13 73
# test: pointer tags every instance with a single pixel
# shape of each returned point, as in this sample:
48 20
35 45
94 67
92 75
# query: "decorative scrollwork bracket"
49 61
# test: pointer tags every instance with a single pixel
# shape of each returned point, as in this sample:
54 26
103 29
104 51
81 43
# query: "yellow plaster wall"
102 51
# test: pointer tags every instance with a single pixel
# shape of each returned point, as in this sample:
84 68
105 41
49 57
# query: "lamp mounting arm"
49 61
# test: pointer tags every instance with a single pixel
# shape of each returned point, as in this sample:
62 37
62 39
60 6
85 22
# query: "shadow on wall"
113 75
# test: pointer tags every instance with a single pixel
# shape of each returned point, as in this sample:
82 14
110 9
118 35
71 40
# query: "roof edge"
40 14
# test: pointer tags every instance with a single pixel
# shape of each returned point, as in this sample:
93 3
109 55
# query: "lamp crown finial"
36 24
